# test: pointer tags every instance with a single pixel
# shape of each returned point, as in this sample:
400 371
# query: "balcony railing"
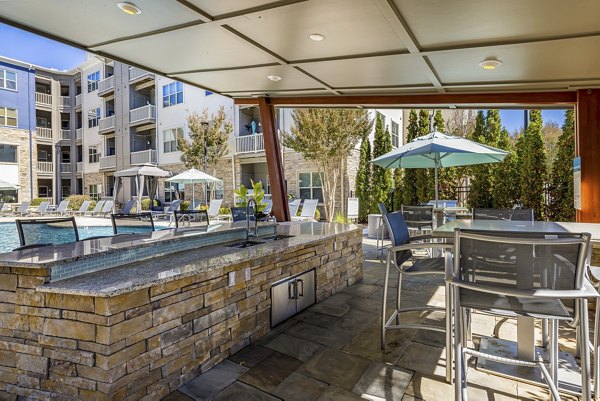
65 167
106 85
44 133
65 101
45 167
106 124
78 100
249 143
80 167
142 114
108 162
136 73
142 157
43 98
65 134
79 133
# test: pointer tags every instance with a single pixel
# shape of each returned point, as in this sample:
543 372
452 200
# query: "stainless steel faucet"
251 200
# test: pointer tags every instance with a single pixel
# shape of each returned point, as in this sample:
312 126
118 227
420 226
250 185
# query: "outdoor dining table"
569 378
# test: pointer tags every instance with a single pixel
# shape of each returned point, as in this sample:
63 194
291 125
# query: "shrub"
340 218
146 203
37 201
222 210
317 213
75 201
184 205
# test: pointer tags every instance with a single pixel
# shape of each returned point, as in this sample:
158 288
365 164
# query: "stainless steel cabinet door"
283 301
305 287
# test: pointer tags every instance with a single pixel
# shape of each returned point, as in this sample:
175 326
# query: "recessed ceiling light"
274 78
317 37
490 63
129 8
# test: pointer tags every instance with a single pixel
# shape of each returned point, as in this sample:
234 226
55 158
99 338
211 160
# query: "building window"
8 153
65 157
170 193
8 116
94 192
311 186
9 196
172 94
93 155
395 134
8 80
170 139
43 192
92 81
93 117
218 190
66 191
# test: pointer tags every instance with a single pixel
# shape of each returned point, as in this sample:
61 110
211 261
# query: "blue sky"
513 119
38 50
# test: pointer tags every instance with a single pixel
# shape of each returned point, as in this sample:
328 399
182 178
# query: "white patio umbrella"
437 150
193 176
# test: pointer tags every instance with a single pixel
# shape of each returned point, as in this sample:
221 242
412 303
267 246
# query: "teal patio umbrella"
437 150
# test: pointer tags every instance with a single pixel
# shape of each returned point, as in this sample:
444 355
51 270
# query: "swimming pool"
9 239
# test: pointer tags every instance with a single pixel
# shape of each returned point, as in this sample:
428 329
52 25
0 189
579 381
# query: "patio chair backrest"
503 214
443 203
174 206
126 209
521 215
98 207
238 214
1 206
399 234
214 207
43 207
294 205
191 218
352 208
512 263
418 216
382 208
62 206
23 207
134 223
38 231
85 205
308 208
108 206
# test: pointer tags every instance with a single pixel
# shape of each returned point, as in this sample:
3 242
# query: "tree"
551 133
409 178
447 176
363 179
480 188
505 192
382 177
398 189
424 176
533 166
438 121
217 133
326 137
561 178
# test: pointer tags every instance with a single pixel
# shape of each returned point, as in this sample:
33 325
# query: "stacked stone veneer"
146 343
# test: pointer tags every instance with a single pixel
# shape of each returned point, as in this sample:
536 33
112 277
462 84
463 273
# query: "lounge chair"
294 205
23 208
107 208
213 210
309 207
1 207
168 212
63 207
42 209
126 209
97 209
83 208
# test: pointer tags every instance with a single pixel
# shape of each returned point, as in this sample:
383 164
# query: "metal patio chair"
122 223
294 206
85 205
41 209
502 214
419 219
309 207
543 276
380 229
23 208
62 208
97 209
191 218
37 232
398 257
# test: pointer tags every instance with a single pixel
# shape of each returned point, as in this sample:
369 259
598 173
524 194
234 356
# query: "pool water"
9 239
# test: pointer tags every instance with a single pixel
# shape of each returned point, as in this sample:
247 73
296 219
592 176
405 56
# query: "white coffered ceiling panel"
222 7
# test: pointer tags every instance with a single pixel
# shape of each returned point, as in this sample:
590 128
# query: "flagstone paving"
331 352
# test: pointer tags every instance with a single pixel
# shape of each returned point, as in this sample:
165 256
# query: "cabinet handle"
301 294
292 290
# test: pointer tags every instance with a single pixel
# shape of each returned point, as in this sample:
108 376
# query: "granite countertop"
49 256
127 278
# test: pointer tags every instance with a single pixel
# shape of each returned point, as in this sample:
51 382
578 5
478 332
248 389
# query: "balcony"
78 100
143 116
106 125
65 134
142 157
79 134
249 144
45 168
43 99
106 87
44 134
108 162
79 167
65 168
140 78
64 102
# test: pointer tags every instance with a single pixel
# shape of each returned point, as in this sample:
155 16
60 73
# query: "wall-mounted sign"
577 183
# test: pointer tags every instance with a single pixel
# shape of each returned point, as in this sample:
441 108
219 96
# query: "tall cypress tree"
480 188
363 179
506 175
382 177
438 121
533 166
424 177
561 179
409 178
447 176
398 189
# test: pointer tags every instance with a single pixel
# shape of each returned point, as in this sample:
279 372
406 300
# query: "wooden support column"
588 148
274 160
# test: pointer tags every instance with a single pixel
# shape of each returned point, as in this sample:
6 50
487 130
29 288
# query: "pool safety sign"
577 182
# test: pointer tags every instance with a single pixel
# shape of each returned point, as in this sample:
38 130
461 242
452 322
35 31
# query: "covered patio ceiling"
370 47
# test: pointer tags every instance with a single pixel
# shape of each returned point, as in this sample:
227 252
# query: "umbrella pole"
436 183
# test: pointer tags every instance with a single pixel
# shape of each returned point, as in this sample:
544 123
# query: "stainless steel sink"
245 244
276 237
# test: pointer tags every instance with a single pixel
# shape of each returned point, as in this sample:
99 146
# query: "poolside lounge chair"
126 209
97 209
1 207
309 207
213 208
42 209
294 205
83 208
63 207
168 212
107 208
23 208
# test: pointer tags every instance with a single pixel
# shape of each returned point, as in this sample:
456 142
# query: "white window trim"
6 108
182 95
17 153
311 187
4 71
174 128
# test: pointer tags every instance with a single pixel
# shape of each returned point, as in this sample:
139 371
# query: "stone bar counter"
136 316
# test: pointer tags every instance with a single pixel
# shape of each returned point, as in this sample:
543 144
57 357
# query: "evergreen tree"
409 177
505 192
363 179
561 179
424 176
493 128
533 166
438 121
447 176
382 177
398 189
480 188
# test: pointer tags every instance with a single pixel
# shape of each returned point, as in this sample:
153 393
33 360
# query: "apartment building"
76 128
